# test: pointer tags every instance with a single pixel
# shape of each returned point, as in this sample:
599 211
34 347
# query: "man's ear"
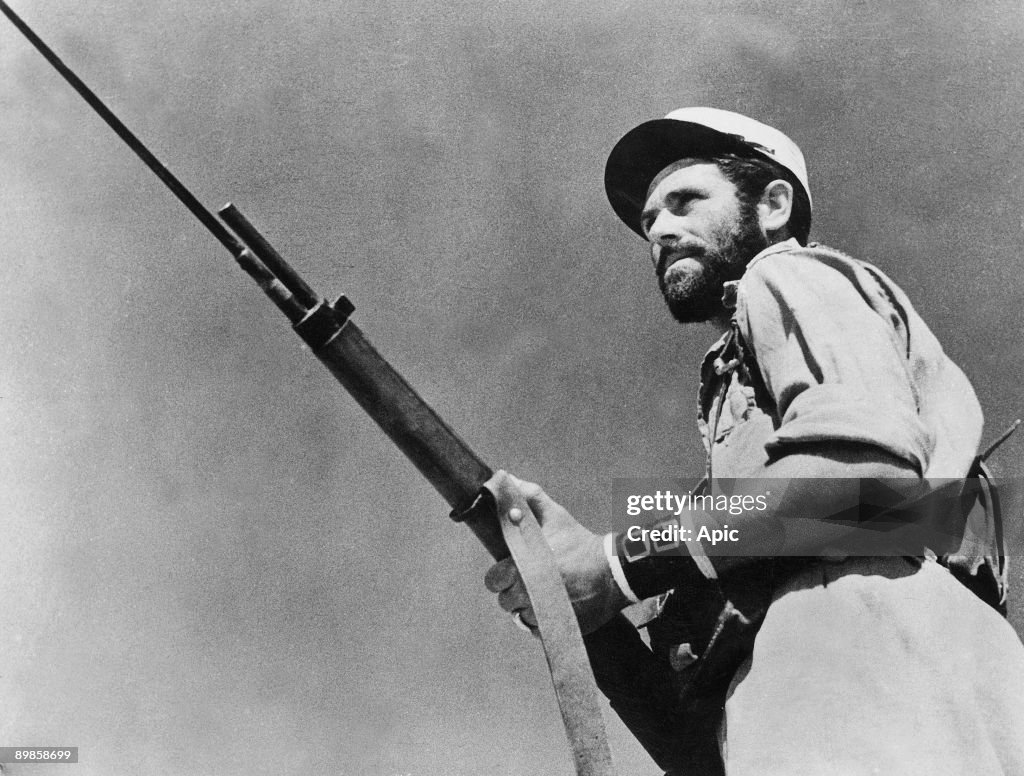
776 206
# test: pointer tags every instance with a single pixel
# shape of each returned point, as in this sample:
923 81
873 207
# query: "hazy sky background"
213 562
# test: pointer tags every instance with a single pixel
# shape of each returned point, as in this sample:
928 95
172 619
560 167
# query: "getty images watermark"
851 517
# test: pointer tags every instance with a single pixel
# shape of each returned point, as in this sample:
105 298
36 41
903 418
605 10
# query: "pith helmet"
649 148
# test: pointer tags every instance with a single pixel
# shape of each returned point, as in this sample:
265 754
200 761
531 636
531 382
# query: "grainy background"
212 563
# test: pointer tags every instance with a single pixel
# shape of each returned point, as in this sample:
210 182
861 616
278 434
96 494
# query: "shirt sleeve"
830 360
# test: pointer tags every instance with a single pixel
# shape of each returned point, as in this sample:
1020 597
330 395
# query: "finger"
527 488
501 575
526 617
514 597
539 501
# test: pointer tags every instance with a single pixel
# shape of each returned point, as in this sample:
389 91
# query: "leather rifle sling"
558 629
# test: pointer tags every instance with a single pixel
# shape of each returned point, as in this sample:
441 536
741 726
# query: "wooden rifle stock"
638 686
447 462
623 666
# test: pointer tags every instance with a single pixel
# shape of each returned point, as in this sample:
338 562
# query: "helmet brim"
648 149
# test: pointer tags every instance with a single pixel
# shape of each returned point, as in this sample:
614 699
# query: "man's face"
702 234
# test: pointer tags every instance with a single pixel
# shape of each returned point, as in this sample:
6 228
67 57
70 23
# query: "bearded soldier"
825 377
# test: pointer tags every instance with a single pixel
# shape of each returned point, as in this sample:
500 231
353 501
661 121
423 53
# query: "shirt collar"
730 287
785 245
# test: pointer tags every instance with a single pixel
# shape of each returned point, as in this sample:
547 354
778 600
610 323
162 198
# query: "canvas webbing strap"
558 629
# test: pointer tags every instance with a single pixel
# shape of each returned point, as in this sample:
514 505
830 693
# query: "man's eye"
681 203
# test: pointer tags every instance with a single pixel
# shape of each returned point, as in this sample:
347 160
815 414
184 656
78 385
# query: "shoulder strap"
993 507
558 629
981 563
989 498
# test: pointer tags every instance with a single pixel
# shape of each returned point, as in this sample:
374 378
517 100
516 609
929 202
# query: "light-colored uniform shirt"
844 357
863 665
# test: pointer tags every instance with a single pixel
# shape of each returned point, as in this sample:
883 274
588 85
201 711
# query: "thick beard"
695 297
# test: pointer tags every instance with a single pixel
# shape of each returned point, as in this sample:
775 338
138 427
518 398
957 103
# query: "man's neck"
721 323
723 320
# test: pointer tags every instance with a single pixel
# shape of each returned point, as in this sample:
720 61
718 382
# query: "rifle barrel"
273 260
177 188
272 287
440 455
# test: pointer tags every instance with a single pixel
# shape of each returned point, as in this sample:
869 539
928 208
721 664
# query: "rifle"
616 653
441 456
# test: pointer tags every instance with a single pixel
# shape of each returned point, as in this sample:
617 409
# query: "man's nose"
665 230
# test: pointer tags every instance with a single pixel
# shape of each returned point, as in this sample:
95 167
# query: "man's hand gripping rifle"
490 504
